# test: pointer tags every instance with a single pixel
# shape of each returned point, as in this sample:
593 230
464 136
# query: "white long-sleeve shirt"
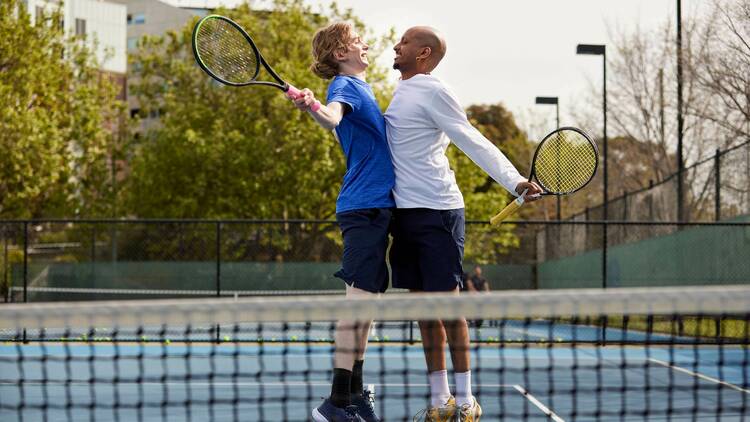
423 118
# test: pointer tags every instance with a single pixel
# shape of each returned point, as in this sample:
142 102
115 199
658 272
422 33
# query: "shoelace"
464 411
421 415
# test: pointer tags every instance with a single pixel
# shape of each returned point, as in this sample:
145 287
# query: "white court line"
538 404
699 375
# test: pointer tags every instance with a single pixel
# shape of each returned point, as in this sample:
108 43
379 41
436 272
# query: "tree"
225 152
721 69
642 98
58 120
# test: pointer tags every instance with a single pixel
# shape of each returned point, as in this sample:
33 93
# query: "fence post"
93 243
25 261
717 179
605 227
651 200
25 269
218 259
6 266
218 273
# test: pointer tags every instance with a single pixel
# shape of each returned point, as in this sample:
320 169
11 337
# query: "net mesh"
566 161
223 49
584 355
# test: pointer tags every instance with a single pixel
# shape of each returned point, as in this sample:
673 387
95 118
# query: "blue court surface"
202 382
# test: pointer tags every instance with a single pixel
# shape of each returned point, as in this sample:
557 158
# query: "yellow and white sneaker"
445 413
470 412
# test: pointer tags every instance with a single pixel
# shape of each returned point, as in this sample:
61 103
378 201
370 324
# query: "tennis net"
670 353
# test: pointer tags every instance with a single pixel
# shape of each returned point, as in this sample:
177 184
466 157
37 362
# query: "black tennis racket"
227 53
564 162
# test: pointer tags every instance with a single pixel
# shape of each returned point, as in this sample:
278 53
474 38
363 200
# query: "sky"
511 51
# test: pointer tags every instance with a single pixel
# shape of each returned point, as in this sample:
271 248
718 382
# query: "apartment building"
103 23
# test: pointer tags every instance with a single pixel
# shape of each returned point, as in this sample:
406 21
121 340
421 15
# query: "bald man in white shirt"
428 232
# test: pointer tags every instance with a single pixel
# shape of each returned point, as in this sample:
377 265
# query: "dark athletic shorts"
365 234
428 249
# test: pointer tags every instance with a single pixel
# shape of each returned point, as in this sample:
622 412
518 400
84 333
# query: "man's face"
406 51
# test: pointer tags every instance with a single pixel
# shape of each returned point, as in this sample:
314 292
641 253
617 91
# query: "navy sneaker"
365 404
327 412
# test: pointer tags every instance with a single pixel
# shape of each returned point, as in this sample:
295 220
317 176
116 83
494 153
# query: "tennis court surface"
567 355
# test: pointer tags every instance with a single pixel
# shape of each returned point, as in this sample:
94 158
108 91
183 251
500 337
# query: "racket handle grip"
507 211
295 93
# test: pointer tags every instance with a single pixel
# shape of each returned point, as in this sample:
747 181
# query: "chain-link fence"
717 189
114 259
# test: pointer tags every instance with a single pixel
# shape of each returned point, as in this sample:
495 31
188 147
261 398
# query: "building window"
132 43
39 14
80 27
137 18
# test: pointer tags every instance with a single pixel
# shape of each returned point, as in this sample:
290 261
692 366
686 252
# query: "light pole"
680 121
601 50
556 103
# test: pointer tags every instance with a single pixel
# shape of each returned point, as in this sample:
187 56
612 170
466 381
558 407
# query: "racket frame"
545 191
260 60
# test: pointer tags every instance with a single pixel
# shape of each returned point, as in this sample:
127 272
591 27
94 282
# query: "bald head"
429 37
420 50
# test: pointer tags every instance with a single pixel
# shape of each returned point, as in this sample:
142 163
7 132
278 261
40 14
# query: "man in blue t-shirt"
363 208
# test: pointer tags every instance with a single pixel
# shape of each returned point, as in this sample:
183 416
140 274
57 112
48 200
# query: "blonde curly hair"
326 42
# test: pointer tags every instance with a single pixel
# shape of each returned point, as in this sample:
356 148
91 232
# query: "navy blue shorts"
365 234
428 249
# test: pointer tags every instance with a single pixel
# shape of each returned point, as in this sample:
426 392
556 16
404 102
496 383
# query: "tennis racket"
564 162
227 53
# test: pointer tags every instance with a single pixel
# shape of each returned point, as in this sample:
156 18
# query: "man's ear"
424 53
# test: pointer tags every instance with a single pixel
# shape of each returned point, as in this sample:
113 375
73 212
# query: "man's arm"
449 117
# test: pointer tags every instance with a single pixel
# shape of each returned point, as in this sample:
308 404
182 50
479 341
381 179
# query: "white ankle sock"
439 390
463 388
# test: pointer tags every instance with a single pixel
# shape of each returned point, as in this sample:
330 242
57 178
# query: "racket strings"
565 162
225 51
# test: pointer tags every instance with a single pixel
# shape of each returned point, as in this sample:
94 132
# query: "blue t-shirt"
369 174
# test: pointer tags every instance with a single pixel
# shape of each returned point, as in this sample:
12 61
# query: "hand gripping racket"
227 53
564 162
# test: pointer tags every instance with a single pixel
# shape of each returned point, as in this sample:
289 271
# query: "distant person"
477 283
363 209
